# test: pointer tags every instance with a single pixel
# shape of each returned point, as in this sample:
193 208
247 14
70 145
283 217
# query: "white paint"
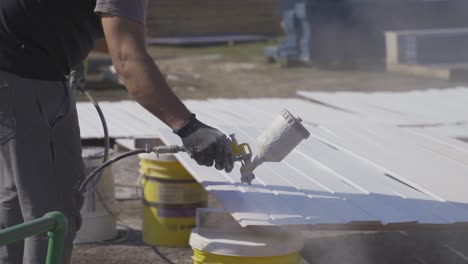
357 166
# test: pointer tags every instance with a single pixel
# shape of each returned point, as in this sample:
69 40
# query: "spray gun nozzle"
247 177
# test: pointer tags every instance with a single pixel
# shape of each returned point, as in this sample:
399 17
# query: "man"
40 151
295 46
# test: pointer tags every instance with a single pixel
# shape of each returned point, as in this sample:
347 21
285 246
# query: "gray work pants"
40 161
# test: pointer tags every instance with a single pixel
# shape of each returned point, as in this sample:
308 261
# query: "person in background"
300 12
295 46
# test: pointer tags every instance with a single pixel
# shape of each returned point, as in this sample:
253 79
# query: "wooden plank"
414 197
347 173
317 173
378 181
450 101
448 131
267 204
224 188
407 164
376 115
402 108
380 185
417 104
256 110
318 200
246 203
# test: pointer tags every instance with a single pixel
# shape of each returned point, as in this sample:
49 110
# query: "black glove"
206 145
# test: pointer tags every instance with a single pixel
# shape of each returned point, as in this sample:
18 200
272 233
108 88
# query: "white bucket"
98 224
219 239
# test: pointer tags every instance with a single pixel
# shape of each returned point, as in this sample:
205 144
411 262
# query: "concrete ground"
240 71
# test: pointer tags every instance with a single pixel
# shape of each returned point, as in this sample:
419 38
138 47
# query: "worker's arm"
127 46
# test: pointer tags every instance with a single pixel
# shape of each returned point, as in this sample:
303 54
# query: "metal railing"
54 223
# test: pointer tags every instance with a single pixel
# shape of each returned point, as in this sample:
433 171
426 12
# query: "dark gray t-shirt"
38 40
133 9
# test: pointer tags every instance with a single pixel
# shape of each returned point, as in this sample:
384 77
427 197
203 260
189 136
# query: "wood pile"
177 18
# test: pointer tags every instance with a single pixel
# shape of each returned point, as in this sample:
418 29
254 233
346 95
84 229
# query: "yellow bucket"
170 199
200 257
220 244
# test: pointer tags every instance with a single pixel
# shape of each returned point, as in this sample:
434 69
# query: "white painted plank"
375 114
410 138
89 121
413 197
439 177
442 208
271 204
263 110
417 105
317 184
449 131
316 201
429 106
446 140
140 118
375 181
224 188
342 187
378 182
127 122
244 202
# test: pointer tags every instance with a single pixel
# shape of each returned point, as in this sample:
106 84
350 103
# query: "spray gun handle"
241 152
245 149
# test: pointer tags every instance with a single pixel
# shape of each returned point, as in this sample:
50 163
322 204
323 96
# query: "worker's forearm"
147 85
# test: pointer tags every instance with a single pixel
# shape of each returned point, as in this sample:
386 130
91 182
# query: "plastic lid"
296 123
246 242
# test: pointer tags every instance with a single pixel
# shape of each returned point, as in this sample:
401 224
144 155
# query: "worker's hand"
207 145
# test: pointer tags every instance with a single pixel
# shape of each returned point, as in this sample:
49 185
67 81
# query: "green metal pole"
56 237
22 231
54 223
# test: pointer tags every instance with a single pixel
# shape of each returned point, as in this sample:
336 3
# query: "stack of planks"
177 18
384 161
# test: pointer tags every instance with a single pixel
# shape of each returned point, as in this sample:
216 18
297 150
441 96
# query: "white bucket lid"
246 242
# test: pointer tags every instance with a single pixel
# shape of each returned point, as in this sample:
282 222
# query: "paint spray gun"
273 145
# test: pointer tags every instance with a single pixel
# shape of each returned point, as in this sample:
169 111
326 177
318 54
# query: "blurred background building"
189 18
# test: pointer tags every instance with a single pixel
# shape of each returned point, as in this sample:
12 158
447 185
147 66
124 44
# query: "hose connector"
171 149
